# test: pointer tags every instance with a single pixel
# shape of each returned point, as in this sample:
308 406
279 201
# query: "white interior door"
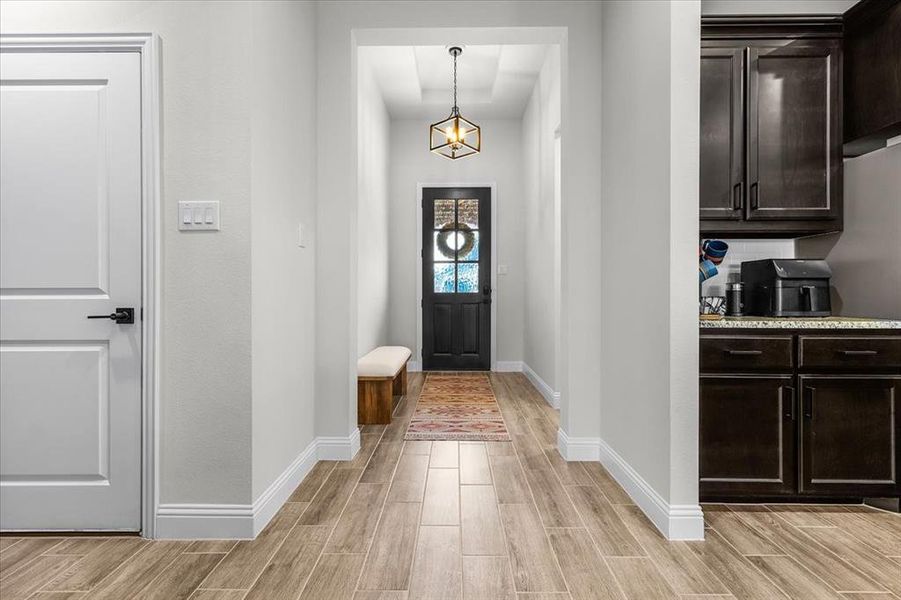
70 246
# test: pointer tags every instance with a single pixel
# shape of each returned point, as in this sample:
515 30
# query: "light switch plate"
502 269
301 236
198 216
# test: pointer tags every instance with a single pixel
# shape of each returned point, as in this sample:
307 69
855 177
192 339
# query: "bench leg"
400 382
374 402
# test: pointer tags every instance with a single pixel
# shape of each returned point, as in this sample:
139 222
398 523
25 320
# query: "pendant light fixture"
455 137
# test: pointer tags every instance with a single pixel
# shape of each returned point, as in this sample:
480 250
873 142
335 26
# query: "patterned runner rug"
457 406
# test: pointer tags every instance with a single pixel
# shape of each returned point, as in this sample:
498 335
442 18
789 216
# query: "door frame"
147 45
416 364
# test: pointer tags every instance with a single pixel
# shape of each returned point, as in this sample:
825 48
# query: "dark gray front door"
456 278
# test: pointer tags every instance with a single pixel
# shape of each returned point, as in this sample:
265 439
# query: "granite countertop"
799 323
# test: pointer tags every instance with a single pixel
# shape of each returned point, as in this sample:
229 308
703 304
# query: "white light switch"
198 216
502 269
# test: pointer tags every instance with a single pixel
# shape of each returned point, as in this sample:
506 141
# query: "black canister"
735 306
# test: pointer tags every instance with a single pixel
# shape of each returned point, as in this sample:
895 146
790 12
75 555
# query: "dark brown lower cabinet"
747 434
849 435
799 414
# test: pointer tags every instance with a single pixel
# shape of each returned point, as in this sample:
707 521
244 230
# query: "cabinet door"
849 435
722 133
747 435
794 132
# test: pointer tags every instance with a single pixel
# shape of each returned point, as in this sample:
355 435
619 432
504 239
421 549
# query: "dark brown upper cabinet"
722 133
794 132
771 132
872 49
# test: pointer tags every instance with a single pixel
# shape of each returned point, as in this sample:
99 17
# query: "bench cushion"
384 361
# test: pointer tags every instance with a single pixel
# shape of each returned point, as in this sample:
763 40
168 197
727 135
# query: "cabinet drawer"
848 352
736 354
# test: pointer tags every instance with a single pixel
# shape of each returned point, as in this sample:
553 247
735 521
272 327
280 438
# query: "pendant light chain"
456 110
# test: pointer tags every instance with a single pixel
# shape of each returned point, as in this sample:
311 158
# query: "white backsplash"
742 250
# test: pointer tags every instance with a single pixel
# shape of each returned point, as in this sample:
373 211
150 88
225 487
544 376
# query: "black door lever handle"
122 316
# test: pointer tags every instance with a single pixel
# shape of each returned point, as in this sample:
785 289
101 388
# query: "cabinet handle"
808 402
744 352
858 352
755 200
791 401
738 195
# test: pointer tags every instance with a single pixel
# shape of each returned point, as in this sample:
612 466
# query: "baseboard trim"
675 521
518 366
245 521
550 396
339 448
578 449
272 499
508 366
204 521
414 366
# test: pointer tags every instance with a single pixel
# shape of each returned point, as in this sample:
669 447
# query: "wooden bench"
381 375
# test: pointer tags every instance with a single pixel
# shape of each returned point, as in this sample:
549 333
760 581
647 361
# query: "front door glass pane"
468 213
444 213
469 247
467 278
444 278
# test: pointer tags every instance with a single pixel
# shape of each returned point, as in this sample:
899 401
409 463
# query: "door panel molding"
416 361
147 46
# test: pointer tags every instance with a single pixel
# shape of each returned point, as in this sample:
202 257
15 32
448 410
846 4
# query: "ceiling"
493 82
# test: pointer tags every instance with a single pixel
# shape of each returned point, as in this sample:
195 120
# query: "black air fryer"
786 287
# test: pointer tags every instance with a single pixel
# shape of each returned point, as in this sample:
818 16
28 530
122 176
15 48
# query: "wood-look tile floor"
496 520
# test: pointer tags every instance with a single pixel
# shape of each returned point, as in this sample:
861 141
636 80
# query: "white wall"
339 25
649 233
542 252
499 162
238 127
375 148
866 257
649 164
283 105
775 7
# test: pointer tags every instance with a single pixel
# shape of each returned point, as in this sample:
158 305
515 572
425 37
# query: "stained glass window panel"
468 278
473 253
444 213
468 213
444 278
